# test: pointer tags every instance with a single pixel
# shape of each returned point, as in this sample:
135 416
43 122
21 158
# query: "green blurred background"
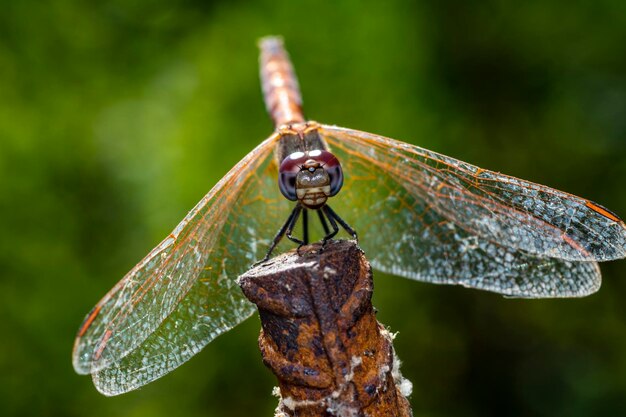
116 117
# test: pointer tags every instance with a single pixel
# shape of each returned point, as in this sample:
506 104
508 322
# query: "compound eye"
333 168
297 161
288 172
287 185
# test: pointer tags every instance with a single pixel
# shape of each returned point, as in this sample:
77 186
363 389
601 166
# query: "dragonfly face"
420 214
310 177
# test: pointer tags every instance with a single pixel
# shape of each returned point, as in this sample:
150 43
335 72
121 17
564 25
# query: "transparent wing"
512 212
183 294
408 232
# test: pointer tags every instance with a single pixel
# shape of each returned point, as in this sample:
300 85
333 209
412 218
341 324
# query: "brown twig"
320 336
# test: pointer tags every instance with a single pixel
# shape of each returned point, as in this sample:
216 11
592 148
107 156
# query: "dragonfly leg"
333 223
292 224
330 213
287 227
306 231
305 226
323 221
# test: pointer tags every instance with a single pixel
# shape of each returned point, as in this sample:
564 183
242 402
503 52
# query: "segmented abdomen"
280 85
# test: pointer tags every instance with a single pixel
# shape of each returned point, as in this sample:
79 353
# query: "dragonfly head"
310 177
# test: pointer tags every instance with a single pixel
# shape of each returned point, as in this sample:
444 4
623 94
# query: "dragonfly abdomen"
280 85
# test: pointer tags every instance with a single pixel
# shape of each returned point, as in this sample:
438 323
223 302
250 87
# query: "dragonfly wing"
183 294
212 307
502 209
404 233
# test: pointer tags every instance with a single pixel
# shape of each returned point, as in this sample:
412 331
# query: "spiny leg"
305 226
330 213
293 224
333 223
290 227
281 232
323 221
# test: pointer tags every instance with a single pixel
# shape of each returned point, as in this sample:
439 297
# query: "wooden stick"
320 336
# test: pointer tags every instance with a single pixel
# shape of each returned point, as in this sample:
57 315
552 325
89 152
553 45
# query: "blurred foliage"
117 116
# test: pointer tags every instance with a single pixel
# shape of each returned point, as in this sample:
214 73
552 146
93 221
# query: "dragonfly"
419 214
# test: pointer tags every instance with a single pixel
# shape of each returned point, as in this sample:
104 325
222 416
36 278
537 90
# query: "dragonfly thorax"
310 177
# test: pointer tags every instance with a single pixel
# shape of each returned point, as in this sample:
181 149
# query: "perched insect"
419 214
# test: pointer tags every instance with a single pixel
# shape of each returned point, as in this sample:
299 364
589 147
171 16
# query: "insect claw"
257 263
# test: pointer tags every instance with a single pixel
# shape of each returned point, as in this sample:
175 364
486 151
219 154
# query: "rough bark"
320 336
